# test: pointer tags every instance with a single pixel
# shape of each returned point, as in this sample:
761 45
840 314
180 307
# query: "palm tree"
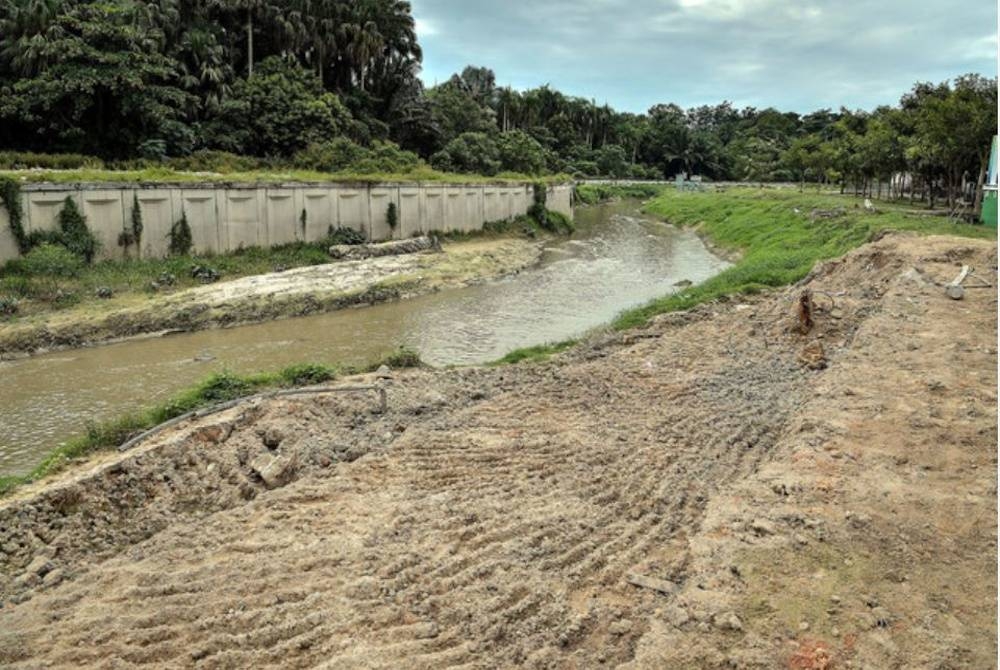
22 34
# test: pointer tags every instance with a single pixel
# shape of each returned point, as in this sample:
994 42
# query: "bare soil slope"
713 491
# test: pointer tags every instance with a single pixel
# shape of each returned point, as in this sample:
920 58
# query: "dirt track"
690 495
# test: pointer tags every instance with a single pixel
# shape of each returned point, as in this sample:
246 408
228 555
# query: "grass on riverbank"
781 234
217 388
37 293
535 354
592 194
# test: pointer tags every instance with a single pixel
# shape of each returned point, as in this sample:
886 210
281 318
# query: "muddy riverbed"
616 259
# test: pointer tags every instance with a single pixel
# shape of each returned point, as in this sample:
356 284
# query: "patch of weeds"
535 354
401 358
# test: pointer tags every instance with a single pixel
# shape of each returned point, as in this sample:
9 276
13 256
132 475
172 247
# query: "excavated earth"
713 491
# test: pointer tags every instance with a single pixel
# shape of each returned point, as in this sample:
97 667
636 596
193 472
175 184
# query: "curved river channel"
615 260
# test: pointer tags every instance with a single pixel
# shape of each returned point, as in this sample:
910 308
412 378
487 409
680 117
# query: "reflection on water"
615 260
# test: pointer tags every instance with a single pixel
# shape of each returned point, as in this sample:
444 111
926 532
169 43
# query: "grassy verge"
170 176
781 234
592 194
217 388
524 225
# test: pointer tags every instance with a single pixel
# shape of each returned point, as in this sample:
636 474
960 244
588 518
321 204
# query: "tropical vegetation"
333 85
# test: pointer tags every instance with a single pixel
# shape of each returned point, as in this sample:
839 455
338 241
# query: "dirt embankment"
714 491
296 292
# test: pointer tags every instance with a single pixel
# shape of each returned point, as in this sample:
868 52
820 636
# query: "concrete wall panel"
353 210
492 205
157 209
411 205
435 202
105 215
42 209
203 217
279 212
321 212
379 199
8 245
224 219
240 221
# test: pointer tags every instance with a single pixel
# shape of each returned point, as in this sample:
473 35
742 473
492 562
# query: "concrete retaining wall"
226 217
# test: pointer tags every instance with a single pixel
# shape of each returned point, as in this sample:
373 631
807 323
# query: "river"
616 259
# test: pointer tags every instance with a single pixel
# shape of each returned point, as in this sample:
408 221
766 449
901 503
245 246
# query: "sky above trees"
790 54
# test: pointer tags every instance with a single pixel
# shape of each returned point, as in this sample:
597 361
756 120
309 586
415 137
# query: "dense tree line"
332 84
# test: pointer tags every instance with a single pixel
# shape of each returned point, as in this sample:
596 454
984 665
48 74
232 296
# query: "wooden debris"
804 312
664 586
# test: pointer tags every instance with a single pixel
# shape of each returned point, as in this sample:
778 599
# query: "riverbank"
713 489
275 295
776 236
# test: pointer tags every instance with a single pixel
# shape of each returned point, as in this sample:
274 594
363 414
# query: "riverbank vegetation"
592 194
53 276
253 89
217 388
779 235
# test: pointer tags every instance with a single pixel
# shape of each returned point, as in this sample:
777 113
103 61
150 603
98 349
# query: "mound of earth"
717 490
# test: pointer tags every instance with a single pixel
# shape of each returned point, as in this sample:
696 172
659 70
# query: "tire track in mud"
501 530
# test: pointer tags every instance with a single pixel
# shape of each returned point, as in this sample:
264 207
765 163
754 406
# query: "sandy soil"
714 491
259 298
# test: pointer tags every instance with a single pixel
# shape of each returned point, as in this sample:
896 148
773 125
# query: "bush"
391 216
75 235
342 235
306 374
403 357
17 286
281 109
473 153
181 240
342 155
10 197
8 306
51 260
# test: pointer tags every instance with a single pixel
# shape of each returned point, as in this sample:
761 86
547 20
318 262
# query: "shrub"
136 220
474 153
342 235
17 286
342 154
75 235
10 196
391 216
51 260
181 240
404 357
306 374
8 305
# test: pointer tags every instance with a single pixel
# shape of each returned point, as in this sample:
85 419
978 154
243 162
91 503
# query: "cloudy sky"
796 55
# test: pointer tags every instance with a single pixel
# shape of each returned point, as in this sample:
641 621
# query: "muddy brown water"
617 259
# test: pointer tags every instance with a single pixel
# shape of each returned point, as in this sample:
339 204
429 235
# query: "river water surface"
615 260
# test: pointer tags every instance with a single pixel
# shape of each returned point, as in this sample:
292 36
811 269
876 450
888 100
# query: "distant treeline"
326 84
